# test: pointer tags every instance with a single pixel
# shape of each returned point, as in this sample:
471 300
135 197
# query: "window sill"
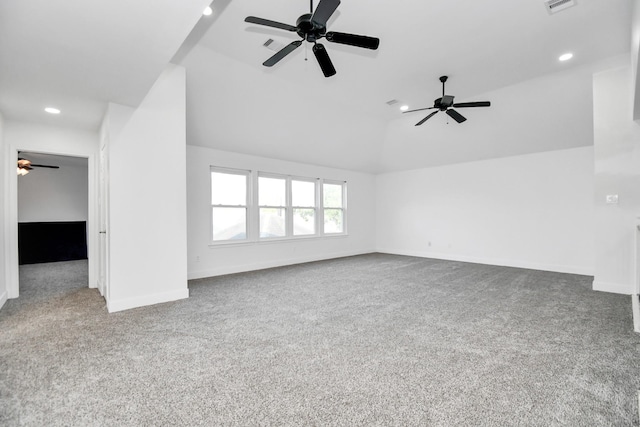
276 240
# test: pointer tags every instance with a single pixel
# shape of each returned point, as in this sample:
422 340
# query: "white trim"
615 288
635 308
636 258
141 301
493 261
222 270
11 225
248 175
267 241
253 207
342 184
3 298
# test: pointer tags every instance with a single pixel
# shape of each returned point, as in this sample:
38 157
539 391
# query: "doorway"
83 154
52 222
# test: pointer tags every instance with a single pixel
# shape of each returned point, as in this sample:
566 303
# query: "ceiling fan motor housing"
443 103
310 30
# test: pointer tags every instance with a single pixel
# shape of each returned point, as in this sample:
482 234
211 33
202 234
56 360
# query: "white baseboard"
635 307
141 301
3 298
222 270
614 288
571 269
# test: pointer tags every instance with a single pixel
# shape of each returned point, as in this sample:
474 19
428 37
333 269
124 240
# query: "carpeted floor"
368 340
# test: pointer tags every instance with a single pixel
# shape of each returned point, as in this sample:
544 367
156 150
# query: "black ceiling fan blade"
282 53
324 11
472 104
45 166
426 118
419 109
269 23
456 116
353 40
323 59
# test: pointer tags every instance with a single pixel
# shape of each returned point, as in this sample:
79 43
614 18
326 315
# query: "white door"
103 201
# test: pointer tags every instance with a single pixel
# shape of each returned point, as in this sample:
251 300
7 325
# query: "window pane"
304 222
228 189
303 193
332 195
271 191
272 222
333 221
229 223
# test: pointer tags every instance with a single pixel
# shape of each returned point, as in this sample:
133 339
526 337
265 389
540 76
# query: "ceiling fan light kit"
446 104
313 27
24 166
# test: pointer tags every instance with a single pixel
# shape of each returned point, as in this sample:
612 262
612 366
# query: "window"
333 204
229 204
272 201
252 206
303 203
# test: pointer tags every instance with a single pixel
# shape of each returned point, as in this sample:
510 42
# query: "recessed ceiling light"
52 110
566 57
404 108
207 11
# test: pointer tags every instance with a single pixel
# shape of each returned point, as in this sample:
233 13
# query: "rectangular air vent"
555 6
273 45
392 102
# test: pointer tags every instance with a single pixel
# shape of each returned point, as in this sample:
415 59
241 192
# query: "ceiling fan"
24 166
446 104
313 27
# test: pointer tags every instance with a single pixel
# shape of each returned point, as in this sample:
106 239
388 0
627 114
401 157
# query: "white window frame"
287 202
315 182
248 231
252 207
343 184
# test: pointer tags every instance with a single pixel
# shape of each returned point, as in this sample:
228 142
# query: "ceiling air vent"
273 45
392 102
555 6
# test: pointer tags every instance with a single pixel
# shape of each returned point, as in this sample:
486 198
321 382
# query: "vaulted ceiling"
80 55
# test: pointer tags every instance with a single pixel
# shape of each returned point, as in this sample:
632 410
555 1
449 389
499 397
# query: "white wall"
3 224
533 211
22 136
635 53
147 198
553 111
205 260
47 195
617 171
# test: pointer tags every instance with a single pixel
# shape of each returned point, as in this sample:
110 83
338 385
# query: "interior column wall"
3 223
617 174
147 197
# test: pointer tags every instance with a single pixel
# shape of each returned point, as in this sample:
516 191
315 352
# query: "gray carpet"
368 340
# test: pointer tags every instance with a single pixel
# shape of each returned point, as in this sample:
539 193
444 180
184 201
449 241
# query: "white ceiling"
80 55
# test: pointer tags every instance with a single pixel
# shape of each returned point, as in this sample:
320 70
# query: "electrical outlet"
197 258
429 244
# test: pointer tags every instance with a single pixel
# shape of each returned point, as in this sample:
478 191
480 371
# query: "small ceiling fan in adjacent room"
447 105
24 166
313 27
